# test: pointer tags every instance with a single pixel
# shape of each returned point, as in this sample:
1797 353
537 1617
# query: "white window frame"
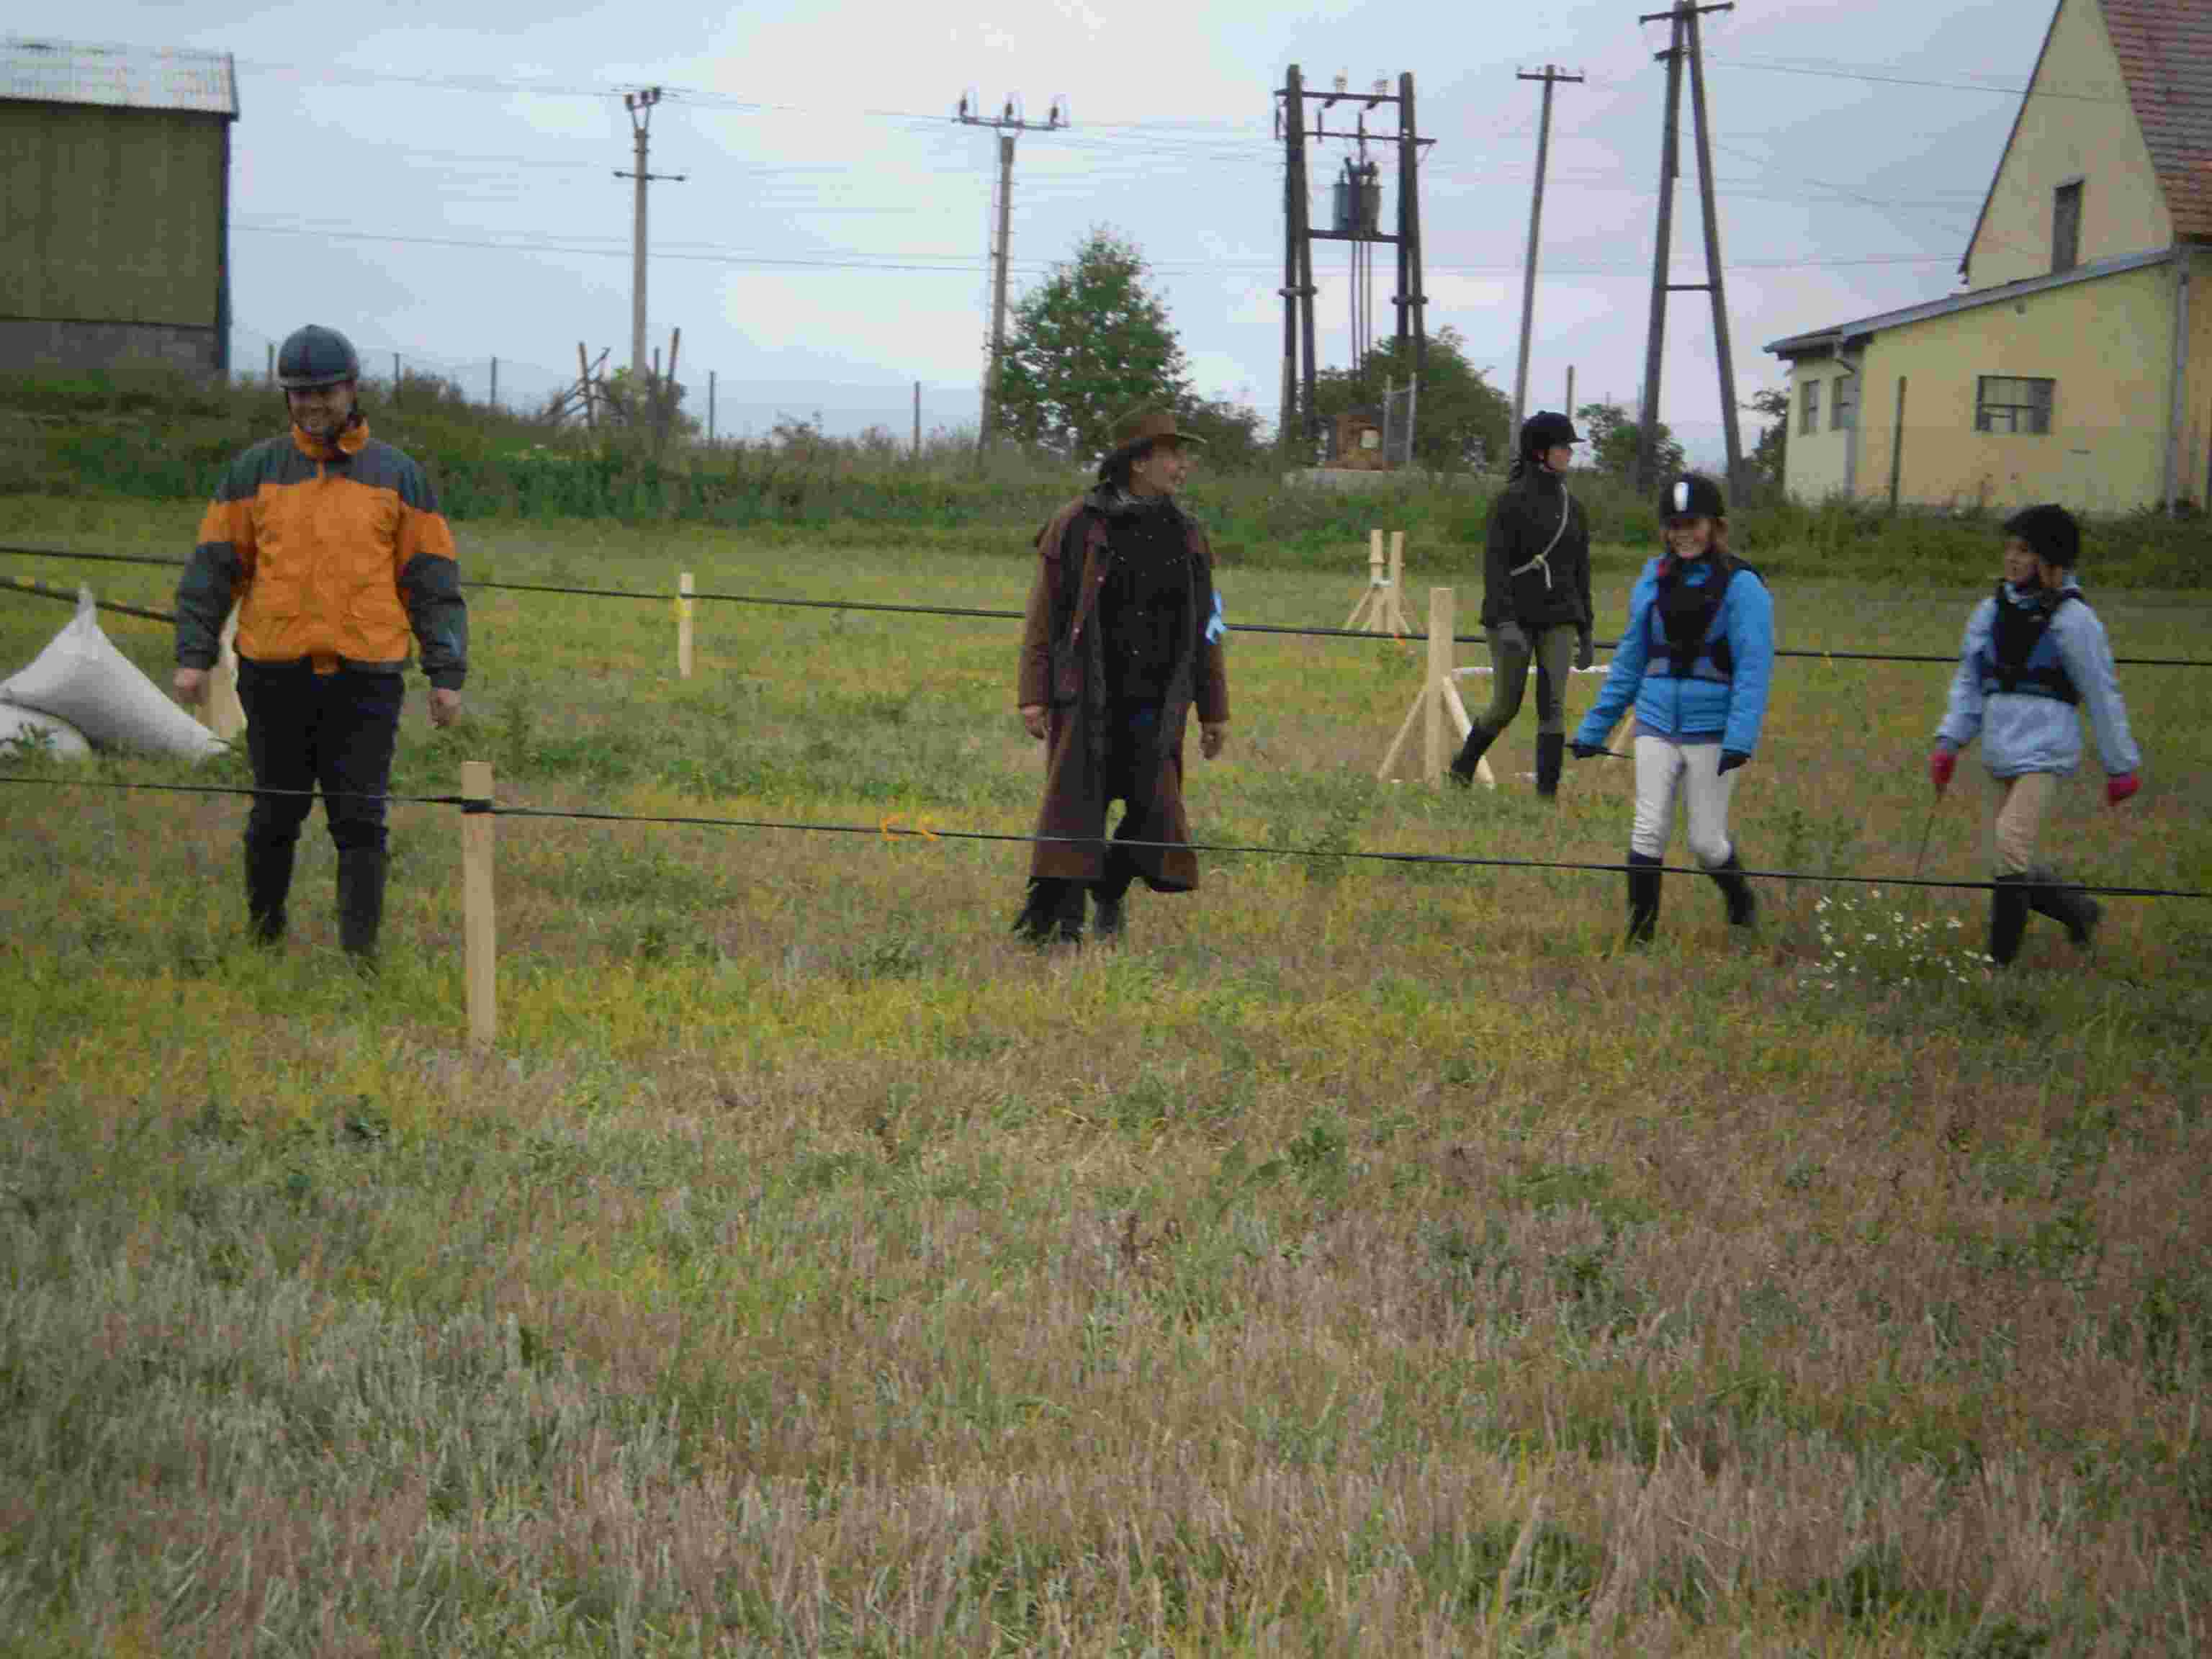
2015 405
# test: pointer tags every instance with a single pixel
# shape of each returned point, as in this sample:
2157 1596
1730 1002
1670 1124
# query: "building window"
1808 407
2007 403
2066 227
1844 409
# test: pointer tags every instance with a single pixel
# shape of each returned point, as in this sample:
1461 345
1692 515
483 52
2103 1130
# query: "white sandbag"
26 730
82 678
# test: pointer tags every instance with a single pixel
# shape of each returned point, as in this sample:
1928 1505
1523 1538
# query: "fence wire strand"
891 831
1808 653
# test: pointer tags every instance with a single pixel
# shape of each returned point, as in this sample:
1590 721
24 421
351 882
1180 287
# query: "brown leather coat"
1062 669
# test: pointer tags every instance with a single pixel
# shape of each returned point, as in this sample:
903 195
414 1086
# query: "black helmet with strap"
1546 429
315 355
1691 495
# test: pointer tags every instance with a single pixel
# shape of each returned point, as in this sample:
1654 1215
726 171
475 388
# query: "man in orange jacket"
332 547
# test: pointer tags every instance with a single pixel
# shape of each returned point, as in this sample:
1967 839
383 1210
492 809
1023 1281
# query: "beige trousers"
2022 804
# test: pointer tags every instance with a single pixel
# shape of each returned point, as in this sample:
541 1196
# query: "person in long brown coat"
1122 641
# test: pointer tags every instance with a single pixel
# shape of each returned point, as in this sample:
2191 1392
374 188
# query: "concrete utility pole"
1683 42
640 105
1550 77
1008 123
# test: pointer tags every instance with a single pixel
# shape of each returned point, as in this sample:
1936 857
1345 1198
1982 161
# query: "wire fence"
892 830
1818 653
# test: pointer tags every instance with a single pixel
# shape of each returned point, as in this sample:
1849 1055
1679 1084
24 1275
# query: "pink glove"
2120 789
1942 763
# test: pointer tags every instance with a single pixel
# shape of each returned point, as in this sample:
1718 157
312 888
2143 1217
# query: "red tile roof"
2165 48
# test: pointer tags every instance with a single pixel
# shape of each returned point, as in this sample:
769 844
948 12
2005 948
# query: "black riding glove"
1585 750
1732 758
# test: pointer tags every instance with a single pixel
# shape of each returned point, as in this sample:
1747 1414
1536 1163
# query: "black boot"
1642 897
1551 750
1052 910
360 901
1470 756
2069 906
2008 917
267 879
1736 891
1108 920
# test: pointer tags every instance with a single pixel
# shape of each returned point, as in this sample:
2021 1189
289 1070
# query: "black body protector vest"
1683 615
2021 657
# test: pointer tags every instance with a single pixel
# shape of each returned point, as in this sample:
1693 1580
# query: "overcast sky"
376 144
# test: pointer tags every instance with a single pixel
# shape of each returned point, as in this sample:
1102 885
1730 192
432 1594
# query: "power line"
1778 67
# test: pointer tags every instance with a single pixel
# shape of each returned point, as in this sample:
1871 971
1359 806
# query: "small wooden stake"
221 711
683 626
1434 756
479 927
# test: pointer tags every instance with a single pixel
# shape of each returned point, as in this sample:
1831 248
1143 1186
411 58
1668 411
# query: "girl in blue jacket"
2034 653
1695 660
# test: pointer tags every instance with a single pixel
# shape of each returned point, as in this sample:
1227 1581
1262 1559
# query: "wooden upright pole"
1435 754
1654 340
479 927
1715 287
683 626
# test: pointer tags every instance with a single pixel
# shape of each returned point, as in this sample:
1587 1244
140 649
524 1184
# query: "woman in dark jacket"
1535 598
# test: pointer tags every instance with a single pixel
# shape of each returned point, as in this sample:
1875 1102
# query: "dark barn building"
114 206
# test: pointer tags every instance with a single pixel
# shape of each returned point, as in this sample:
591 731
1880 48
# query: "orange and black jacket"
333 553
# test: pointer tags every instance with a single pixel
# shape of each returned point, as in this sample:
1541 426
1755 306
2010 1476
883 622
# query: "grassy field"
1363 1258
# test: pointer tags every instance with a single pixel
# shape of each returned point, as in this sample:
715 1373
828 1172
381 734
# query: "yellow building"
2077 365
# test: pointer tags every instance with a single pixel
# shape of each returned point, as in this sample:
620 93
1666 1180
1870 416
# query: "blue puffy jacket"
2022 731
1703 704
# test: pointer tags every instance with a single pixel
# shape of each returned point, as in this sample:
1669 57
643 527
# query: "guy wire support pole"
640 105
1007 125
1411 317
1550 77
1289 123
1723 357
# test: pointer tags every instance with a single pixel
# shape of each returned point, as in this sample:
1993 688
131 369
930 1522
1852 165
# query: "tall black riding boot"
1052 910
1642 897
267 879
1551 750
2008 917
1735 889
1470 756
1108 921
360 901
2069 906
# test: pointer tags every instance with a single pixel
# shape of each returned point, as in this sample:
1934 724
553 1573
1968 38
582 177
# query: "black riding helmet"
1691 495
2049 532
1546 430
315 355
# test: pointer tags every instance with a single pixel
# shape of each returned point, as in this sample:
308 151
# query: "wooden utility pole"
640 105
1550 77
1008 124
1299 426
1683 42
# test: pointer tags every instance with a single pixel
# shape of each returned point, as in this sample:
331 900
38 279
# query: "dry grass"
1362 1259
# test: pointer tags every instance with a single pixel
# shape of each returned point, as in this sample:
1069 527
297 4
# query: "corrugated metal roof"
2165 48
1798 345
123 77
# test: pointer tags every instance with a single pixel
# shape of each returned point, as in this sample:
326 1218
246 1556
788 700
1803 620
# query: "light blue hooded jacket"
2023 732
1692 708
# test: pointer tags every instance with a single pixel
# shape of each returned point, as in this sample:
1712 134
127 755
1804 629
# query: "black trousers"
305 731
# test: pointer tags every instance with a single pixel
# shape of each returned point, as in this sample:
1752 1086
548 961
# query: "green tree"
1459 419
1766 460
1613 435
1088 344
1234 441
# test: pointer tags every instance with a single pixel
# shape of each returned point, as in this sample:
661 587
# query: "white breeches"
1661 768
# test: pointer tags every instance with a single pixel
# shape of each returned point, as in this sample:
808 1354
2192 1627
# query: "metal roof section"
120 77
1824 339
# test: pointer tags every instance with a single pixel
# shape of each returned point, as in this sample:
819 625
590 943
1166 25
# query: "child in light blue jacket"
2034 653
1695 660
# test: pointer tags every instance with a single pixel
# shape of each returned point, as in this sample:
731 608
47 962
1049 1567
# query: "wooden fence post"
1434 756
683 626
479 925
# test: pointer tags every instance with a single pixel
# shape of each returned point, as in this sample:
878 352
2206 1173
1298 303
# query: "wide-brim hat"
1140 429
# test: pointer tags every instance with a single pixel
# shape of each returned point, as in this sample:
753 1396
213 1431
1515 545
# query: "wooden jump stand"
1437 703
1380 610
